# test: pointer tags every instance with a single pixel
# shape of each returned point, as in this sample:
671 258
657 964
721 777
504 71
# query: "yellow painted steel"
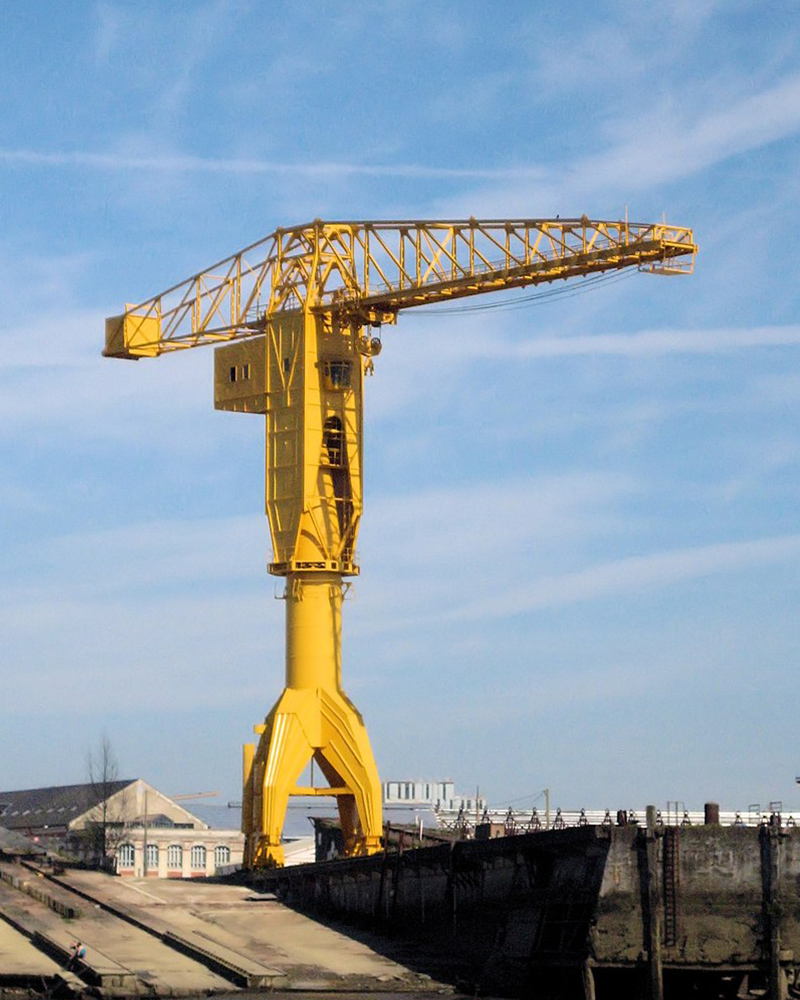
366 272
313 389
132 335
313 718
296 314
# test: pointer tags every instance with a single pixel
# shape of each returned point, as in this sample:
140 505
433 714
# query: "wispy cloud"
109 31
464 341
678 146
80 653
427 529
649 343
139 558
659 342
175 163
635 574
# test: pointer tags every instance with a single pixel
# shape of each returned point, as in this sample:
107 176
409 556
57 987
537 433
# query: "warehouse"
138 830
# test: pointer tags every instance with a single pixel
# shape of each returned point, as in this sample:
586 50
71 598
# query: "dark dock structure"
583 913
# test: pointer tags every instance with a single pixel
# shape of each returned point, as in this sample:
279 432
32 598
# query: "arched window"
152 857
198 858
126 856
222 855
175 857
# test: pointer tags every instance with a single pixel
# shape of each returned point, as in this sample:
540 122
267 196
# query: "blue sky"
580 550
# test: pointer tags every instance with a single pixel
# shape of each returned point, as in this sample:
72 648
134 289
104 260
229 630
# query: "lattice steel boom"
288 316
361 272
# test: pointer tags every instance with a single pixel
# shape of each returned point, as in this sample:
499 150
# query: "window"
222 855
337 374
152 857
333 441
175 857
246 371
198 858
126 856
233 373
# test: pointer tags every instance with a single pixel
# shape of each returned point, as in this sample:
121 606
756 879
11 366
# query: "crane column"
306 376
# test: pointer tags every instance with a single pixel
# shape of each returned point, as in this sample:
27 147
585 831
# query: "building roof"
12 842
56 806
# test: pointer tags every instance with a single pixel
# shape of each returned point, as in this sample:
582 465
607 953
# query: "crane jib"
365 273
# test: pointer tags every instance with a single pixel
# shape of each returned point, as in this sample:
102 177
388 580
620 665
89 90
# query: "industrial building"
435 795
139 830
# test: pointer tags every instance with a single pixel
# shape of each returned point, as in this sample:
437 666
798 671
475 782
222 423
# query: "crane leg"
346 760
303 724
283 751
313 718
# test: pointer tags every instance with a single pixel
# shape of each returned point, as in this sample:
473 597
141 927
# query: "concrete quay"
171 938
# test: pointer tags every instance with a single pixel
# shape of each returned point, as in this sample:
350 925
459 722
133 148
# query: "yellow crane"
296 319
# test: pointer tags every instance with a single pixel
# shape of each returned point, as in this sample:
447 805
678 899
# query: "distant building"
440 796
146 832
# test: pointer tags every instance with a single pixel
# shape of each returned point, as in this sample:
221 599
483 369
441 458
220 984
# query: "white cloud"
666 146
178 163
109 33
139 557
782 389
479 523
660 342
472 342
190 650
635 574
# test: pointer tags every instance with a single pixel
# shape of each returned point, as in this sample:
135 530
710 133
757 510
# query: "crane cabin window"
337 374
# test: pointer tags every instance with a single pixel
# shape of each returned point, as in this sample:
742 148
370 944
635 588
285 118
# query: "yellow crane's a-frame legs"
312 718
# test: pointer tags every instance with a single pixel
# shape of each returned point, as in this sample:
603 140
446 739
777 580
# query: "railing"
531 821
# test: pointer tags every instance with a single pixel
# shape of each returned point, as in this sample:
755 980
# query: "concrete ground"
19 957
308 953
143 931
108 941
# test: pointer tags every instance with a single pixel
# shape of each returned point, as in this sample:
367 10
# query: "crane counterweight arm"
366 272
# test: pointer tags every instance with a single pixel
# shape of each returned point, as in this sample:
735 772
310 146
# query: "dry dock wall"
584 912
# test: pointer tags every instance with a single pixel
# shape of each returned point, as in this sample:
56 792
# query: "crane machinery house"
296 318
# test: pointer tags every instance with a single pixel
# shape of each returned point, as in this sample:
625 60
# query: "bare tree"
105 822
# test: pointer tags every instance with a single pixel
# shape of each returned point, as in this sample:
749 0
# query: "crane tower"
296 321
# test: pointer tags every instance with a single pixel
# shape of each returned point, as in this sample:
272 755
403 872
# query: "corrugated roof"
56 806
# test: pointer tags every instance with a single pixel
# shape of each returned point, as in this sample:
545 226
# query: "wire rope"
568 291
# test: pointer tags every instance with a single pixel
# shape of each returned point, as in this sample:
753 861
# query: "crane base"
305 724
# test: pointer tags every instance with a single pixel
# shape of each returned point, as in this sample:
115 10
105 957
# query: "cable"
566 291
534 796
